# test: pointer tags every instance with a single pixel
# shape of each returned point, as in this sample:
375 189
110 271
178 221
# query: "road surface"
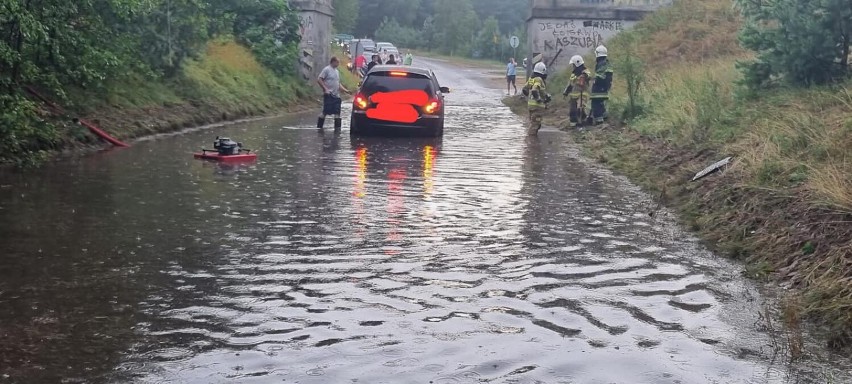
480 257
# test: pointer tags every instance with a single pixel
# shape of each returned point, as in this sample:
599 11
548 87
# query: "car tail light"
432 107
399 74
361 101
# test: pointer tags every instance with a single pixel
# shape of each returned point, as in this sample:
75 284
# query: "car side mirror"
445 90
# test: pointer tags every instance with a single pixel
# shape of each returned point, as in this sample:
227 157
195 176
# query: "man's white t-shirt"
330 77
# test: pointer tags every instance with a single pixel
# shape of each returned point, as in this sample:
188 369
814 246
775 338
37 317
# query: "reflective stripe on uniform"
535 84
579 84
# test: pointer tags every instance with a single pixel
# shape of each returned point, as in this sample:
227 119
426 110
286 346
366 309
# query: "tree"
802 42
61 46
404 37
270 29
489 39
346 15
52 44
373 13
510 14
456 24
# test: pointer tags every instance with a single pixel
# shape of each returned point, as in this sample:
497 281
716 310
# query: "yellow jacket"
537 92
579 85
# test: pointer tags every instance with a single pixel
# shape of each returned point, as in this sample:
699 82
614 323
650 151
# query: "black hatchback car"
399 100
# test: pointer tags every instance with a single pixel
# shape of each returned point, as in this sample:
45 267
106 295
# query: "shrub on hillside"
802 42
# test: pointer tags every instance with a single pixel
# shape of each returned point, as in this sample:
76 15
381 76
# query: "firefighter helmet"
577 60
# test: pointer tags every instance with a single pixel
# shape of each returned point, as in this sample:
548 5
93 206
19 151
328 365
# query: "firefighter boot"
320 122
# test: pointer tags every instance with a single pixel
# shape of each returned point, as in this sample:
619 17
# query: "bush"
801 42
633 71
407 37
24 134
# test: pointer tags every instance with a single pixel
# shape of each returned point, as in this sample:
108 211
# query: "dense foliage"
346 15
476 28
58 46
802 42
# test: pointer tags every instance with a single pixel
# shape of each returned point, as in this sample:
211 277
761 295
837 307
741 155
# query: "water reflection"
402 165
480 257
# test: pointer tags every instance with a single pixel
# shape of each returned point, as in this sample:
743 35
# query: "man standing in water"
511 75
329 81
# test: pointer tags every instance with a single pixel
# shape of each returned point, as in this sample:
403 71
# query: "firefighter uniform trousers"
600 91
536 117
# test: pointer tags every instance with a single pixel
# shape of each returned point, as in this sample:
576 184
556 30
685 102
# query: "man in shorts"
511 75
329 81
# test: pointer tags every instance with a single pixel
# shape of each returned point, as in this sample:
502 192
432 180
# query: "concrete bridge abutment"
315 27
559 29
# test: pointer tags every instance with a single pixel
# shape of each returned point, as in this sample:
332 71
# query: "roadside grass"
785 205
224 83
228 74
347 78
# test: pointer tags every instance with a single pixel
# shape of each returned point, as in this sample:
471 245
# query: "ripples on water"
480 257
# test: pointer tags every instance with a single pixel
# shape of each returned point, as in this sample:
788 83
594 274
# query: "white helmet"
577 60
540 68
601 51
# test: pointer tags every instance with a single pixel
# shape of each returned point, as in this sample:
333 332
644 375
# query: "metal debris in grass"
713 168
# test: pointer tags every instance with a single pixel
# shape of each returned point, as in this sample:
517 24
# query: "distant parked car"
342 39
382 46
360 46
396 99
384 49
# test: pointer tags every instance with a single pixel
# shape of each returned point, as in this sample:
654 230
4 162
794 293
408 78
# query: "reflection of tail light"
432 107
428 170
361 101
428 157
361 172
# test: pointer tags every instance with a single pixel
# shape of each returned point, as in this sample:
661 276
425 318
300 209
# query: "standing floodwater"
480 257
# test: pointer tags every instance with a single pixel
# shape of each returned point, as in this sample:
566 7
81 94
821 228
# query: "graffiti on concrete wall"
559 39
315 19
553 35
306 24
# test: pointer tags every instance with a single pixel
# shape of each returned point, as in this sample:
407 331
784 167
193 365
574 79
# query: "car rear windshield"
385 82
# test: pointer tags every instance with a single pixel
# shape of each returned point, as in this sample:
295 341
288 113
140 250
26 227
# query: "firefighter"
537 97
601 86
577 91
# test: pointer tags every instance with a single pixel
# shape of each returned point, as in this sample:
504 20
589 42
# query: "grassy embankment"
225 83
785 205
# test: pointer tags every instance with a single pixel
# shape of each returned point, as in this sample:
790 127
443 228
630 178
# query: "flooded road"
479 257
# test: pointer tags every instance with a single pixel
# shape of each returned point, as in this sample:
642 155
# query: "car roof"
402 68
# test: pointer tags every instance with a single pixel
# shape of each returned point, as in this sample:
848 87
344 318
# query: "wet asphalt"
480 257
